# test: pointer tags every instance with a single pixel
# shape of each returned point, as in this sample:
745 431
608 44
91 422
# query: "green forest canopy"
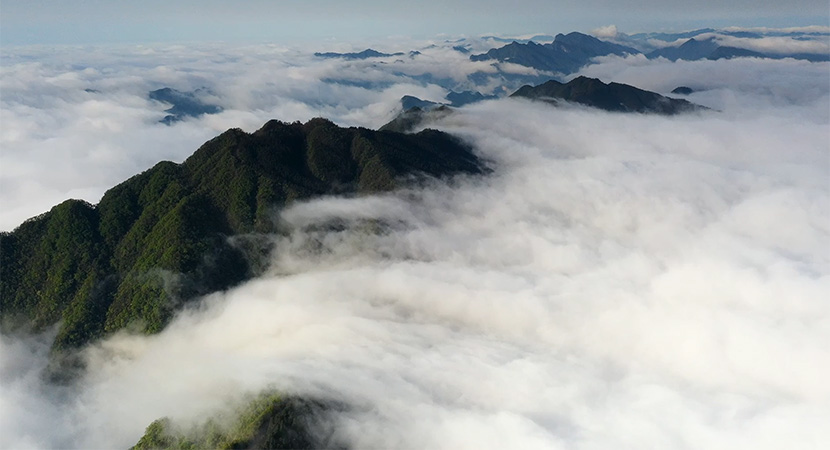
161 237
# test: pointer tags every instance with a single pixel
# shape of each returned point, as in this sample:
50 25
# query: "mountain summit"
610 97
566 54
163 236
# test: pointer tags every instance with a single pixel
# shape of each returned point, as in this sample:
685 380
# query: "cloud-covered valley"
618 281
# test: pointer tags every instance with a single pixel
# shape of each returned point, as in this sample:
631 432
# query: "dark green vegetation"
610 97
161 238
566 54
185 104
268 422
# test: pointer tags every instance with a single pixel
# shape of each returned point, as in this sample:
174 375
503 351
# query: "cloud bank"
77 120
619 281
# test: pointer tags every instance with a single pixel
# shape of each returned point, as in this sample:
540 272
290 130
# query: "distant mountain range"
694 49
609 97
569 53
365 54
566 54
536 38
456 99
615 97
459 99
185 104
749 34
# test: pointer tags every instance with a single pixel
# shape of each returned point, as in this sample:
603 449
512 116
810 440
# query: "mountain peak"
566 54
610 97
160 238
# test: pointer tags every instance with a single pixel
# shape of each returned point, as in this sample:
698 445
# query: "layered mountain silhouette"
570 52
459 99
365 54
415 111
184 104
456 99
697 49
536 38
610 97
694 49
566 54
671 37
167 235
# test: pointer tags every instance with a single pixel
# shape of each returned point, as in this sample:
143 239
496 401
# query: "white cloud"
606 32
60 140
620 281
731 87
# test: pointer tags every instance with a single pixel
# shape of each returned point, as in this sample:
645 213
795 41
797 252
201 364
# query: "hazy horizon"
98 22
619 280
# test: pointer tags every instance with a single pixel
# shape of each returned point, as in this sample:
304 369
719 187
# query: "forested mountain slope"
162 237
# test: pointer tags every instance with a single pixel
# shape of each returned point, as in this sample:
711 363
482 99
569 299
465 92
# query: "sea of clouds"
78 120
618 281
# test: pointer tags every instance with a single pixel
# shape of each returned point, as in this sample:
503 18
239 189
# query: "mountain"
726 52
566 54
459 99
535 38
694 49
690 50
416 111
410 119
682 90
185 104
671 37
365 54
269 421
409 102
610 97
456 99
166 235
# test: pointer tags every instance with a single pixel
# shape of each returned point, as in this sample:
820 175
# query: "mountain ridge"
695 49
615 97
566 54
161 238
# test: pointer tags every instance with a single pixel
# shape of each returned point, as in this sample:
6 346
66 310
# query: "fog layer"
619 281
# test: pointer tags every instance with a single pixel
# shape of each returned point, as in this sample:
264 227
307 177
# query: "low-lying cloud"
77 120
619 281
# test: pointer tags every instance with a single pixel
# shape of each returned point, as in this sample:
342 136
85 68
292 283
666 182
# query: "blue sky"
111 21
